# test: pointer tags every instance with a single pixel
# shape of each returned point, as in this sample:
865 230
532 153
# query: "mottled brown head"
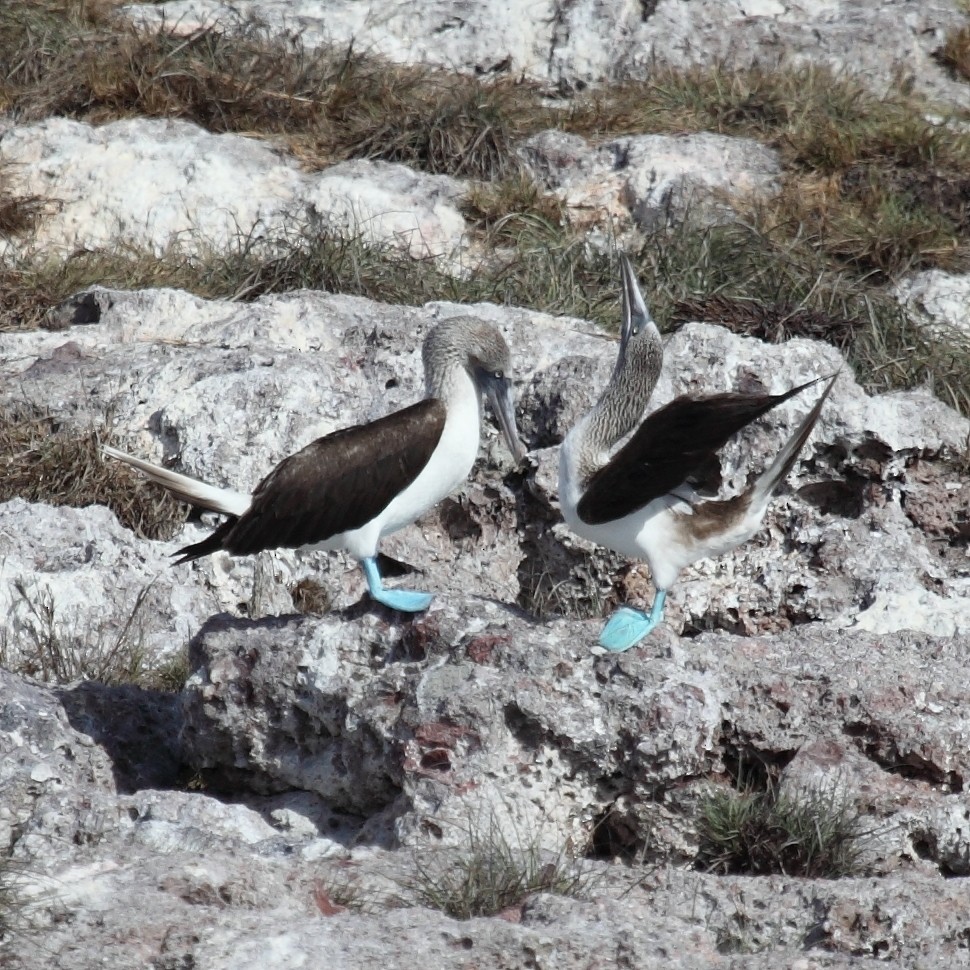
468 342
480 350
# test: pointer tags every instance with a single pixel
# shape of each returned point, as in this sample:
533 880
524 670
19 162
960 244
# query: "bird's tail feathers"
187 489
775 474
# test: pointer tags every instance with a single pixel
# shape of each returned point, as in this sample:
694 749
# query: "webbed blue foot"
627 626
405 600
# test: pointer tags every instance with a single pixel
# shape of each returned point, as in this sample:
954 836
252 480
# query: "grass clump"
43 461
328 104
896 189
56 649
504 210
814 834
755 277
492 873
955 52
19 214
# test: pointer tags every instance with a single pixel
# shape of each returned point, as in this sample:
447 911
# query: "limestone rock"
575 44
156 184
940 302
371 724
870 532
652 180
439 734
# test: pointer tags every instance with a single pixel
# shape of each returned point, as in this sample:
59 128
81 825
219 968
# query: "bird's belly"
447 468
650 533
638 535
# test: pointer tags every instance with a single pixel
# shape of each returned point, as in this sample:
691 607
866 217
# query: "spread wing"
338 482
677 444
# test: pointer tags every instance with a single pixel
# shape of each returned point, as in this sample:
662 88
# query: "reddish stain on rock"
480 649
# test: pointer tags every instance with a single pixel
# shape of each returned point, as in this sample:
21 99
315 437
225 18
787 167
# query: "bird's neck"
615 415
453 385
620 406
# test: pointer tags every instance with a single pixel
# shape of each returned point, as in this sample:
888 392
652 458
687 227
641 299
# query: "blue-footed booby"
652 498
350 488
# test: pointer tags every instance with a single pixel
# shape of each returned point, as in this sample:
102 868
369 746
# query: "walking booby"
647 499
350 488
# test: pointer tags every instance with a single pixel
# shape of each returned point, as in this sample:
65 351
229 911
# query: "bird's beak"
635 312
499 394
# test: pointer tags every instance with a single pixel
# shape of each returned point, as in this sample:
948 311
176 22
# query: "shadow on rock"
137 728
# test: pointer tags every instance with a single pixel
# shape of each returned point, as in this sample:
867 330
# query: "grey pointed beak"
499 394
636 316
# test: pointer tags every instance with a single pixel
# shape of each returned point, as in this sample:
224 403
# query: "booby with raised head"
350 488
650 498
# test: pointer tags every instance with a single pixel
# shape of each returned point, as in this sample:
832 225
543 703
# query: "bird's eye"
498 375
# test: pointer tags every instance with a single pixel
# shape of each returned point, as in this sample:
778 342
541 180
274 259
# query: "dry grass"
754 278
60 645
19 214
898 188
493 873
502 211
55 650
327 104
31 290
955 52
872 189
40 461
311 597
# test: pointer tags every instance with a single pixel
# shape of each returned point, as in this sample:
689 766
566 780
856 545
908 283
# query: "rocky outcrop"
319 762
589 42
865 538
157 185
939 302
312 743
284 806
649 181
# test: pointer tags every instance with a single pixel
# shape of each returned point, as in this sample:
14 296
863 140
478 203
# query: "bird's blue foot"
405 600
627 626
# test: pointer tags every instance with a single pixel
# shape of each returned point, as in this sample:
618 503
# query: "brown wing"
336 483
674 445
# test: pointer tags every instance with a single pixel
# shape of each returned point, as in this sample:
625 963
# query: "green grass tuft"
817 834
493 873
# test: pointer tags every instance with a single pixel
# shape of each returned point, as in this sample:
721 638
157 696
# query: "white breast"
448 466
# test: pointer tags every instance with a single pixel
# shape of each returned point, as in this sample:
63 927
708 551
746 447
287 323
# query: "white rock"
652 179
591 41
919 610
487 36
70 580
938 302
308 363
387 203
156 184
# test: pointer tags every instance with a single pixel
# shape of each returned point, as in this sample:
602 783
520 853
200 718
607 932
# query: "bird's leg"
627 626
405 600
